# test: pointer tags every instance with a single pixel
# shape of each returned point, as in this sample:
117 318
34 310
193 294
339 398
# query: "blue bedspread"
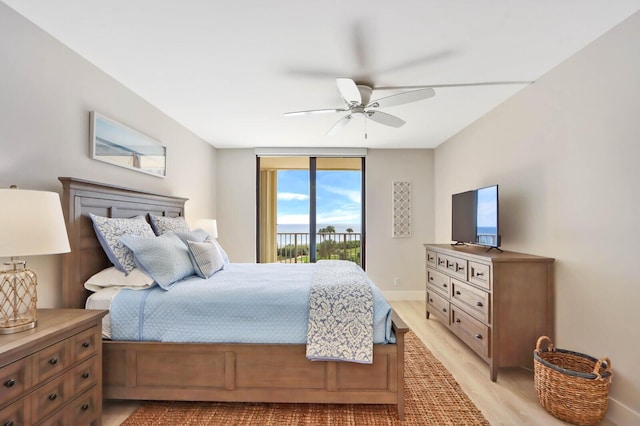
244 303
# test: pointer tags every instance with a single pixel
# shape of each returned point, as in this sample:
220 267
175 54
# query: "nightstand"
53 373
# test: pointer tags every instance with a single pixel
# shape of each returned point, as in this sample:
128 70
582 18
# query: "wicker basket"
571 386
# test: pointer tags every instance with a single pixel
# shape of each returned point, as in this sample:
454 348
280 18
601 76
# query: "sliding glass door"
310 208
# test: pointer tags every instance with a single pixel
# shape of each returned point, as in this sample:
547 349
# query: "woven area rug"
432 397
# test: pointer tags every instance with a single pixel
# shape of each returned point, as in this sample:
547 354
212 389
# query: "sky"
338 197
487 209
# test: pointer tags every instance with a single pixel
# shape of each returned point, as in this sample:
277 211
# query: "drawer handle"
85 407
52 397
479 274
479 304
458 292
460 268
458 320
85 375
431 300
479 336
430 278
53 361
444 309
9 383
86 344
9 423
444 285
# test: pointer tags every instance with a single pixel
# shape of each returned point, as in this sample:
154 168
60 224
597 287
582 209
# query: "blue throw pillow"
162 224
164 258
199 236
205 257
110 230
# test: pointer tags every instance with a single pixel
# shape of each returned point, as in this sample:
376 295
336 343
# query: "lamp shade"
31 223
209 225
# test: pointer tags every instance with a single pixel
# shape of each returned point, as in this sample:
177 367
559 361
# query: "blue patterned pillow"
164 258
199 236
162 224
110 230
205 257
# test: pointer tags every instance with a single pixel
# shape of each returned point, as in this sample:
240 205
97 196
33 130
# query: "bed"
235 372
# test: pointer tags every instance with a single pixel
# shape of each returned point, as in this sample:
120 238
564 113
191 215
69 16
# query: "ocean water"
291 228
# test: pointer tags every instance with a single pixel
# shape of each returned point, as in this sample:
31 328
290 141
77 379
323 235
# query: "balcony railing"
293 247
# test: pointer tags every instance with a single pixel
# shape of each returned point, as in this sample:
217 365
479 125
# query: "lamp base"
17 298
18 328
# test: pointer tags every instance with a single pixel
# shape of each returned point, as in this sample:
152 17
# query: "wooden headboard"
81 197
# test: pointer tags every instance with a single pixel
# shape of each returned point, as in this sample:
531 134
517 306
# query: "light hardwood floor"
509 401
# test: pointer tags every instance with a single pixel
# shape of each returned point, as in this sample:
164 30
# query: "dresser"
497 303
52 374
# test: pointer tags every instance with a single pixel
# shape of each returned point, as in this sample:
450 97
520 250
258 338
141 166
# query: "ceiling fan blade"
384 118
349 91
481 83
314 111
403 98
339 125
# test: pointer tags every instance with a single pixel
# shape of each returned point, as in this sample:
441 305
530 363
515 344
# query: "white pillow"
111 277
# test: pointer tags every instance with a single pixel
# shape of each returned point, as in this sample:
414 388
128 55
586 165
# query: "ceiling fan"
357 98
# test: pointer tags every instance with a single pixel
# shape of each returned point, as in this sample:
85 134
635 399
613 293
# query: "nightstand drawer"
16 414
84 376
15 378
51 361
84 344
51 396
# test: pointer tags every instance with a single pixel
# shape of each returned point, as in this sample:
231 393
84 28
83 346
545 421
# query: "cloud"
288 196
352 195
293 219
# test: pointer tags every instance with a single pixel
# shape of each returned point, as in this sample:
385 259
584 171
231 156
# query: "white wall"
565 153
387 257
46 93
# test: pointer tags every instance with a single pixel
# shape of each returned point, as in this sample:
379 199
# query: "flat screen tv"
474 217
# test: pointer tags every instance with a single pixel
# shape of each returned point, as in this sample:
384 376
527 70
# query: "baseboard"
404 295
622 415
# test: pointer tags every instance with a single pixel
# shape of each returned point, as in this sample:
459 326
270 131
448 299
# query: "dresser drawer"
51 396
438 306
474 300
86 408
439 282
16 414
50 361
15 378
84 344
452 265
479 274
432 258
474 333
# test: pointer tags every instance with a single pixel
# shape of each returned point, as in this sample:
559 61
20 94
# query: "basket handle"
607 366
550 346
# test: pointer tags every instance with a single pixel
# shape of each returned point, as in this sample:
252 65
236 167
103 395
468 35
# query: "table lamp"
31 224
208 225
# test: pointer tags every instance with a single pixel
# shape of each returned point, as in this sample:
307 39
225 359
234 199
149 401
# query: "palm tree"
349 230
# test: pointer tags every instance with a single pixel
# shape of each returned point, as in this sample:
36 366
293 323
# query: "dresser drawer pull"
479 336
431 300
458 292
430 278
479 304
85 407
459 268
53 361
458 320
9 423
444 285
444 309
479 274
53 397
86 344
9 383
85 375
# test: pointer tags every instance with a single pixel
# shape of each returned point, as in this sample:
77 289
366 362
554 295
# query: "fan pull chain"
365 128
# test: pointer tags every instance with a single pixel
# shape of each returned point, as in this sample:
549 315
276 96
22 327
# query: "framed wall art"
117 144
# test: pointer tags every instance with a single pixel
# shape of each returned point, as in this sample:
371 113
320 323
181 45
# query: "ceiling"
228 70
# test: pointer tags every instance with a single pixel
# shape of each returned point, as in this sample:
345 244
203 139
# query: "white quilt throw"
340 314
